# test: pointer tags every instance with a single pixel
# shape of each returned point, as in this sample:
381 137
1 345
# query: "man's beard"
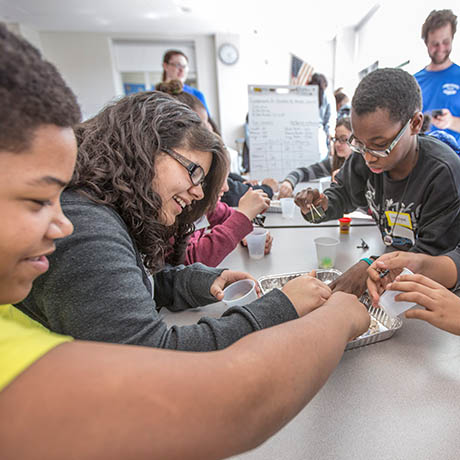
438 61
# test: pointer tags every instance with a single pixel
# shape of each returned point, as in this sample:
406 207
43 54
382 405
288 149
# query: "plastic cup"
256 243
326 249
395 307
287 207
240 292
345 223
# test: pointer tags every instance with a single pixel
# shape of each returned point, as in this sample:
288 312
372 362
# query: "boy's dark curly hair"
32 93
392 89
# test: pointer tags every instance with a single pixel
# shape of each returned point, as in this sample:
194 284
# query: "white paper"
283 129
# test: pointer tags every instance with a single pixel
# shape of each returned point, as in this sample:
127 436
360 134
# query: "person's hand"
253 202
251 182
334 173
395 262
272 183
443 121
442 307
226 278
353 280
268 244
286 189
306 197
355 312
306 293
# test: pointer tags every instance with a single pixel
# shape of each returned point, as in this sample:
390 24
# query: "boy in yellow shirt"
113 401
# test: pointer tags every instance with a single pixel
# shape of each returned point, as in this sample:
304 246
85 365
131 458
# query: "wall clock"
228 54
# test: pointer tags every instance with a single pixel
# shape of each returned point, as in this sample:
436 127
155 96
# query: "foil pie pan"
383 326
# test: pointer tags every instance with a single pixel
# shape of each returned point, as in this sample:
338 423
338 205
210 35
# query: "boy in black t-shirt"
408 181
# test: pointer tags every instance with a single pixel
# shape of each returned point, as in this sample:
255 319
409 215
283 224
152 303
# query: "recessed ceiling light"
152 15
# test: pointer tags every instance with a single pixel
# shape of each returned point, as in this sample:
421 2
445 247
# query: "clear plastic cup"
256 243
240 292
287 207
395 307
326 249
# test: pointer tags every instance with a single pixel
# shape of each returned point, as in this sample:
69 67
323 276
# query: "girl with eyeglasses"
147 169
222 228
408 181
339 152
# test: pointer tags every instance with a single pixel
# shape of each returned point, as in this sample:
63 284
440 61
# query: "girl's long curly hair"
117 150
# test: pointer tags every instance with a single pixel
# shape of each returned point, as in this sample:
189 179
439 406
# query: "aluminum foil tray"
386 324
383 328
269 282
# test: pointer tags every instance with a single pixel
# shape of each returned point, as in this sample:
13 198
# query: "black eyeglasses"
340 140
195 171
358 147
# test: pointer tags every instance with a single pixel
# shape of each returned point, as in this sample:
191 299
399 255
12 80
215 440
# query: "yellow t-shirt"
22 342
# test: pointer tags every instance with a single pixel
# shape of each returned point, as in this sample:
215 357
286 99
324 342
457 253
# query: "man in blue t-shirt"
440 80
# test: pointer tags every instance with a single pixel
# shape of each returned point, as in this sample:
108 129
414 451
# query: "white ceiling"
320 19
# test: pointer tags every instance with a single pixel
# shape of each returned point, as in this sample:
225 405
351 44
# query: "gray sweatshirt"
97 289
427 202
307 173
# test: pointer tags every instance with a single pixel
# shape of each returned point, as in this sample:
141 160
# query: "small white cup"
395 307
256 243
326 249
240 292
287 207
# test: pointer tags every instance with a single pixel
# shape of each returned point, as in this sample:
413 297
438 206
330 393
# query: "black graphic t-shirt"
420 213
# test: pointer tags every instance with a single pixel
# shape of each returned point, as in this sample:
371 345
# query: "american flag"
301 71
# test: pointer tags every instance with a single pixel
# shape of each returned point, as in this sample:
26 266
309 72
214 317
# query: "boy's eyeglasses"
358 147
340 140
195 171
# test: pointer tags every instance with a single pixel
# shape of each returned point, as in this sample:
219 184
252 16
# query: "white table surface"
398 399
293 250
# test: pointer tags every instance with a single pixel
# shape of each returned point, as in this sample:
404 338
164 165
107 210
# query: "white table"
293 250
398 399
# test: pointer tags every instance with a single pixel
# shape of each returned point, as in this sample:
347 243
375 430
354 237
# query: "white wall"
31 35
345 73
86 64
205 53
231 91
264 60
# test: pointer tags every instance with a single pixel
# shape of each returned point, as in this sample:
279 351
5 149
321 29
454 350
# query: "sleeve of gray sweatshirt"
96 289
315 171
